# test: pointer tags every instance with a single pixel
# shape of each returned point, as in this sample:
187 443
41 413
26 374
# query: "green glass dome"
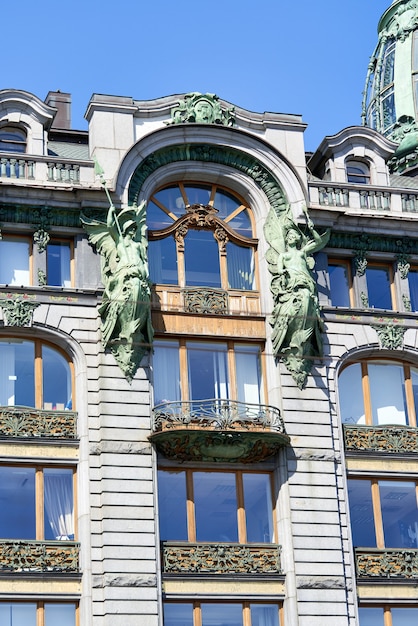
391 93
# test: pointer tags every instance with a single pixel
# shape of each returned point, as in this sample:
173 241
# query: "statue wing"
102 237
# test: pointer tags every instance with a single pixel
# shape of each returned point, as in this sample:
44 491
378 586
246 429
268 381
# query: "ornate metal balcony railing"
22 421
217 430
387 564
220 558
388 439
39 556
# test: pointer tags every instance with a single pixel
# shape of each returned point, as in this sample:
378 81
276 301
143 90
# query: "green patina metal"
378 243
209 153
126 310
201 109
296 319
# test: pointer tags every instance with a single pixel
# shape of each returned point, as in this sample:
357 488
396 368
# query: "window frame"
14 130
387 611
38 368
411 409
70 241
354 177
39 496
391 272
6 237
239 491
231 344
246 609
346 263
377 506
155 234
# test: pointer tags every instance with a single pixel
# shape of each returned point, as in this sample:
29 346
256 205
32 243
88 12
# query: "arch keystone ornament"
201 109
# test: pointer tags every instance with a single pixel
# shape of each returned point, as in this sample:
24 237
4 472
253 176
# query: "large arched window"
34 374
200 235
378 392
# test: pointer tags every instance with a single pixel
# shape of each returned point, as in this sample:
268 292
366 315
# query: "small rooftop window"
12 139
357 172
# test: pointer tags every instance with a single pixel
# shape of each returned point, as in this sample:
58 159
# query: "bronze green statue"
125 310
296 321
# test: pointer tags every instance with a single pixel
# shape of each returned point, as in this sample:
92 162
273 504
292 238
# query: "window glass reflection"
361 513
371 616
248 375
56 380
58 259
172 200
378 288
404 616
62 614
17 498
399 513
166 370
172 505
351 395
178 614
162 258
208 373
221 614
264 615
58 505
201 259
413 289
215 506
14 262
198 194
339 285
17 375
258 508
240 262
387 393
17 614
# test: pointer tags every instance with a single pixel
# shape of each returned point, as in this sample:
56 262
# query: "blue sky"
285 56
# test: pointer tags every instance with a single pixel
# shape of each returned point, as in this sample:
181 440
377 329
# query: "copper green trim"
387 564
208 153
18 311
29 214
220 558
377 243
23 421
52 557
383 439
390 334
202 109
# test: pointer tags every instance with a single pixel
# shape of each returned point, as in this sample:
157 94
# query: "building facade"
209 360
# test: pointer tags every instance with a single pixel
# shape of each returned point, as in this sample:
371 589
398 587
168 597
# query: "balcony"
364 198
41 169
220 558
25 422
390 439
39 556
216 430
387 564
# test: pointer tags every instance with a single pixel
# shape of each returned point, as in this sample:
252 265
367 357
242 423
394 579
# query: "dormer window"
12 139
357 172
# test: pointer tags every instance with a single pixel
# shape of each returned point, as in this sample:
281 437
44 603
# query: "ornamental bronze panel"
21 421
388 439
387 564
39 556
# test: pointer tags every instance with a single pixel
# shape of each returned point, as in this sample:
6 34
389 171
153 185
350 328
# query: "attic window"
357 172
12 139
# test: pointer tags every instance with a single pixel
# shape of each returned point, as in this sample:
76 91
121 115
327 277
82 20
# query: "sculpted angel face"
203 111
293 238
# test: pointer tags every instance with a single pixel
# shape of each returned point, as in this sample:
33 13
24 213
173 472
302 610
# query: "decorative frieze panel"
387 564
388 439
18 421
39 556
201 301
220 558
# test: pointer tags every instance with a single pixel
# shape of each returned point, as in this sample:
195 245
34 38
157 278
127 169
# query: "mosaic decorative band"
220 558
389 439
17 421
387 564
38 556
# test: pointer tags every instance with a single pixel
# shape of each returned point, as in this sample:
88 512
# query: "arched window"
12 139
357 172
200 235
34 374
378 392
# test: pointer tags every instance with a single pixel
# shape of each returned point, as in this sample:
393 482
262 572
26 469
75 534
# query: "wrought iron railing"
373 563
23 421
218 414
220 558
39 556
392 439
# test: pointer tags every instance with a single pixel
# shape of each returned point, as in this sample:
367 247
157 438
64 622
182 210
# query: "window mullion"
387 616
180 261
242 532
40 614
232 373
39 504
366 395
184 371
246 614
191 519
377 513
38 375
197 615
409 393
